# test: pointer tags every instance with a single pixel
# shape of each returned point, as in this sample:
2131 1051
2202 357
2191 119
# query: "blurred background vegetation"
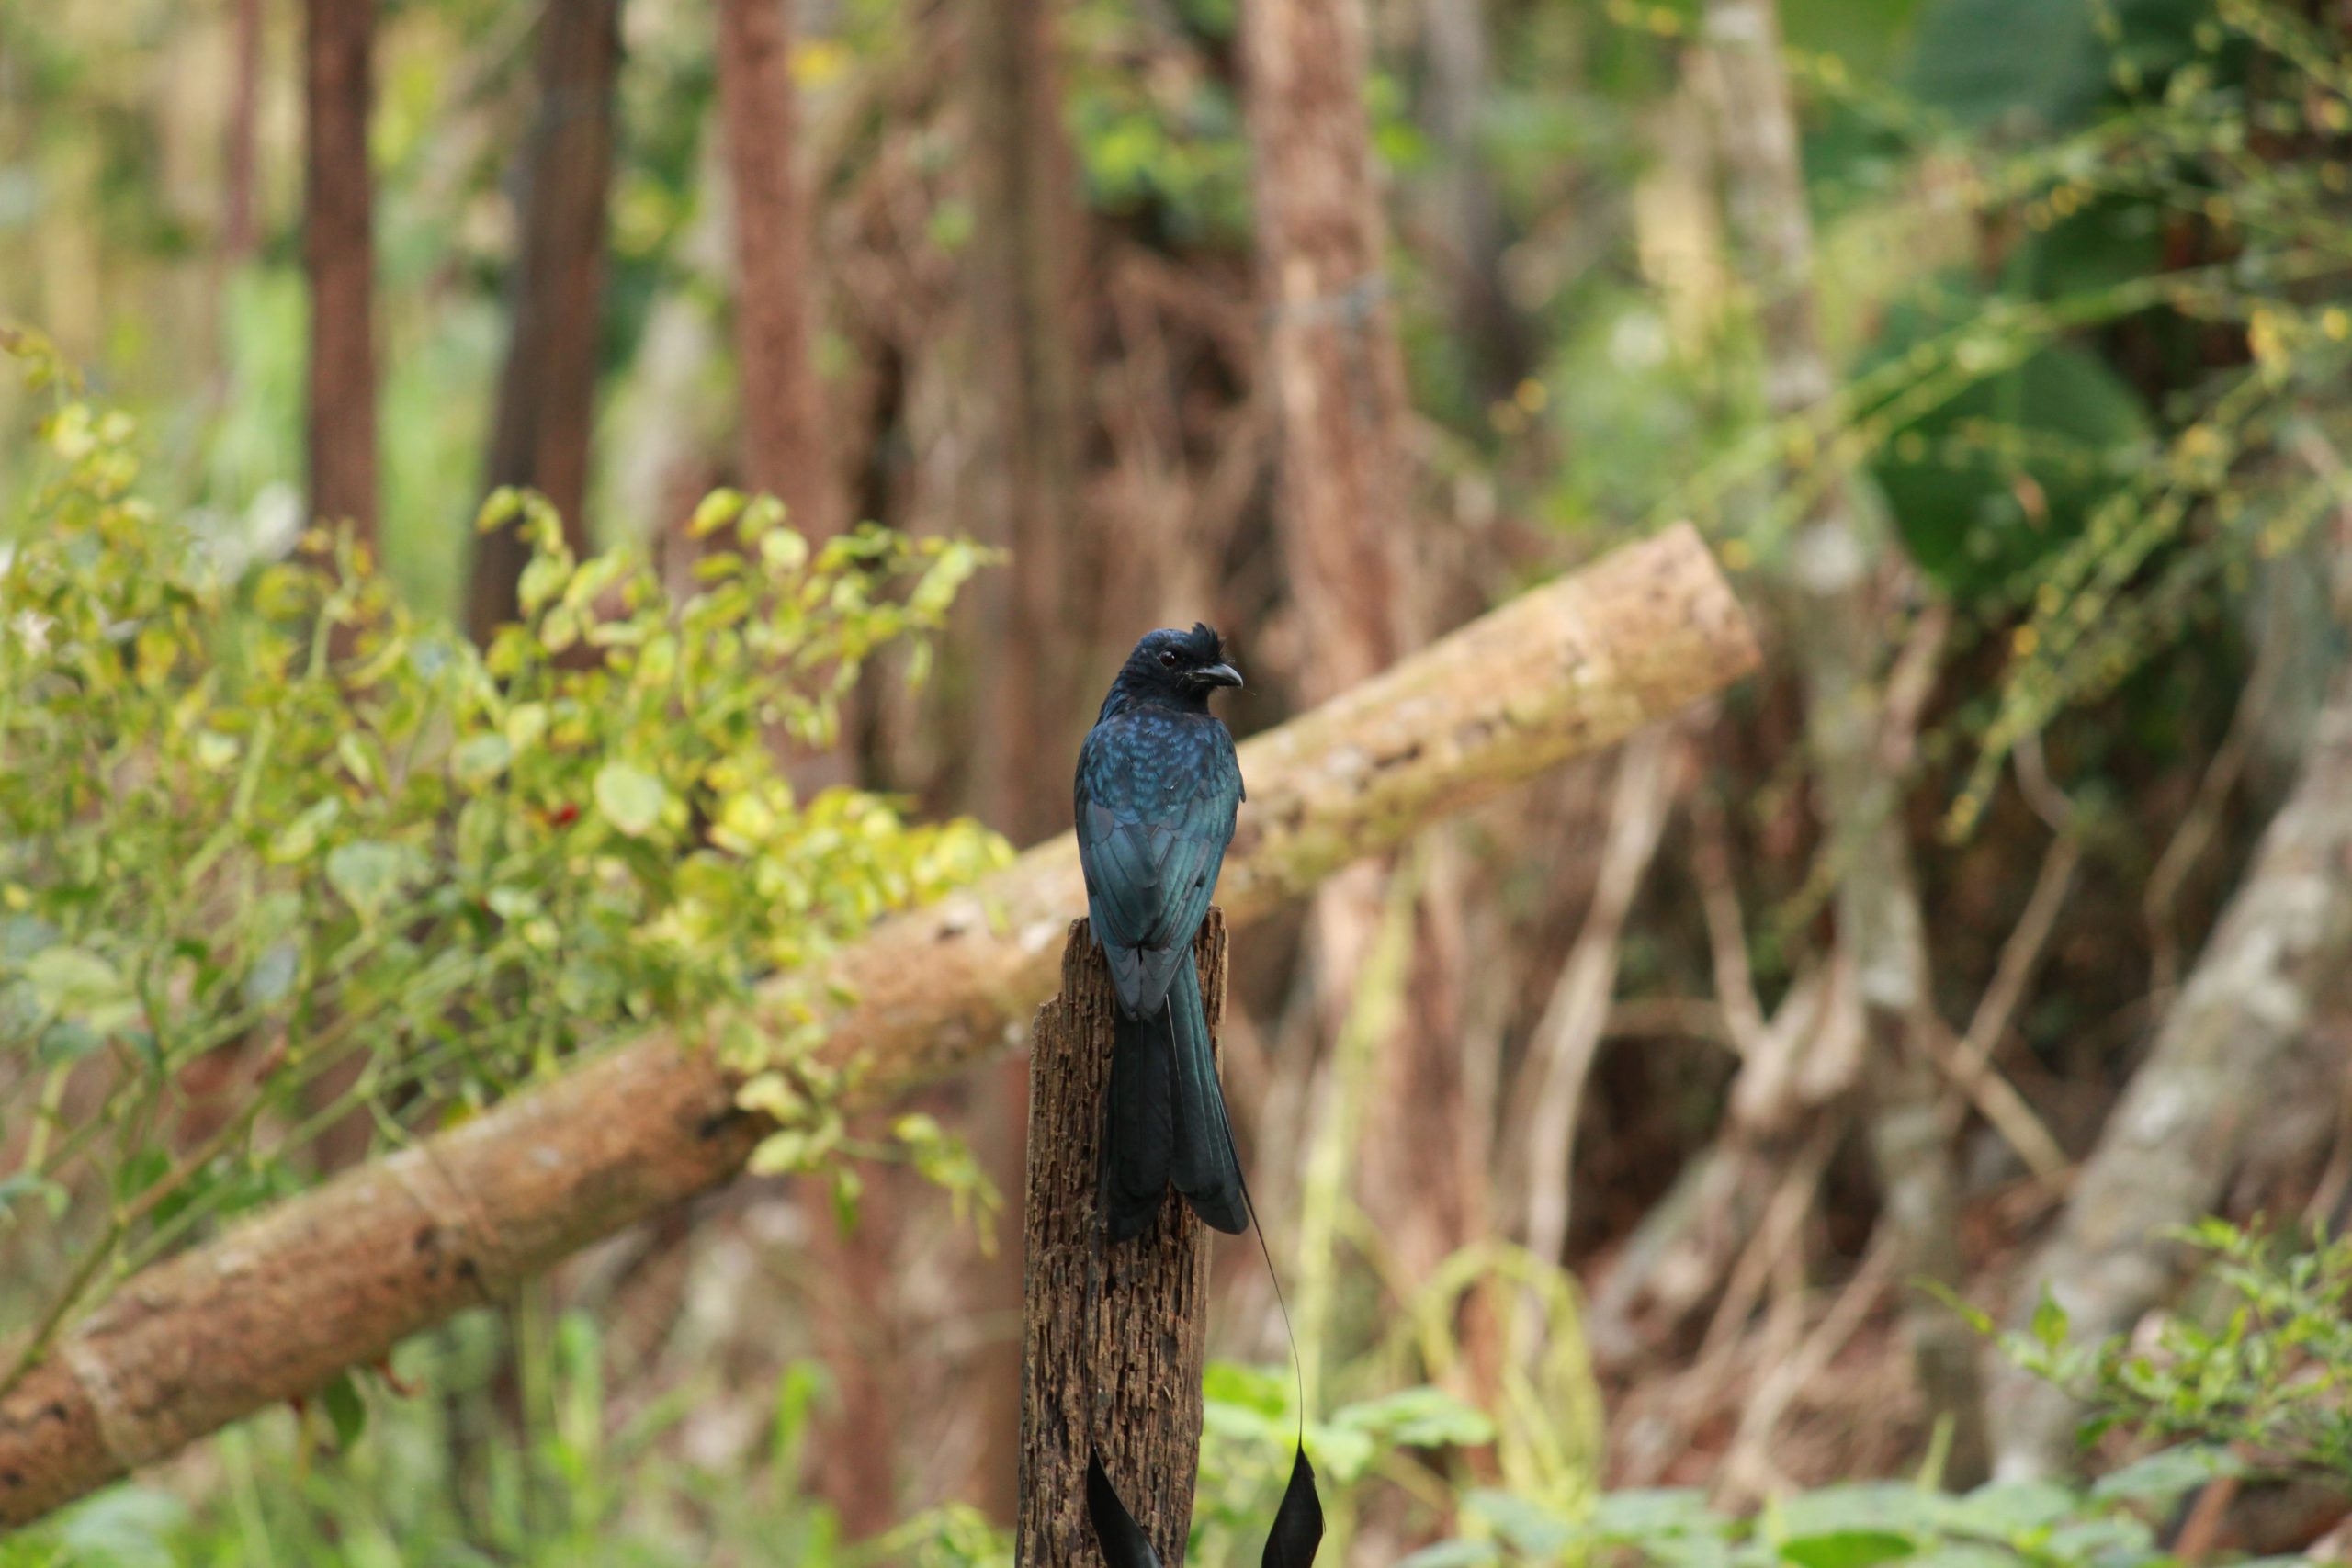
1641 1147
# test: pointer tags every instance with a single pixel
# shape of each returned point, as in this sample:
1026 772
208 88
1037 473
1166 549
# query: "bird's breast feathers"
1141 764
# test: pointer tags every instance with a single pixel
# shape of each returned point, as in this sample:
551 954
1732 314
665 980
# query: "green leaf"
525 722
1867 1507
2168 1474
123 1526
796 1390
301 836
272 976
1995 479
848 1187
74 983
1346 1454
2097 1541
2049 1320
1966 1554
24 1185
1641 1511
347 1410
1526 1525
716 509
1260 1390
630 799
2007 1510
1990 60
65 1041
368 875
1418 1417
480 759
1847 1549
1454 1554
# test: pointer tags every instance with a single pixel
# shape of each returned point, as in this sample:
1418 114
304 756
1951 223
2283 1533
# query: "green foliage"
1162 147
1988 483
2264 1362
266 831
1855 1525
2028 66
572 1484
1249 1430
2094 374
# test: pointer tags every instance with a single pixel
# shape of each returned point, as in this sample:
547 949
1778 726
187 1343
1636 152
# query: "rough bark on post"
1113 1338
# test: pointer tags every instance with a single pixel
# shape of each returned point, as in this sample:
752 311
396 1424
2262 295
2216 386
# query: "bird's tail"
1166 1124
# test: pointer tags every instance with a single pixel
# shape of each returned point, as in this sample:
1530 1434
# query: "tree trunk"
784 451
1026 310
1022 726
338 250
1336 374
1115 1337
547 394
1345 512
280 1305
1834 614
240 230
1468 218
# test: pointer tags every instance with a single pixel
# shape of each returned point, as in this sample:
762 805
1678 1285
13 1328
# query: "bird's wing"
1152 835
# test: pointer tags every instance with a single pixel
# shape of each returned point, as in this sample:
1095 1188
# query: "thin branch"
1551 1083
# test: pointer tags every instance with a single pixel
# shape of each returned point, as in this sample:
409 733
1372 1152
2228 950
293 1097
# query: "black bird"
1158 789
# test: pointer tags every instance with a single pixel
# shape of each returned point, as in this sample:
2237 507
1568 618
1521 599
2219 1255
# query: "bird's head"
1180 667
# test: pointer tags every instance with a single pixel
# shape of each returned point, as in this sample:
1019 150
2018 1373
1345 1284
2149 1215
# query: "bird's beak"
1220 675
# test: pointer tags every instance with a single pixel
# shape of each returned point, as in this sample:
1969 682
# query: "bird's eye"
1168 657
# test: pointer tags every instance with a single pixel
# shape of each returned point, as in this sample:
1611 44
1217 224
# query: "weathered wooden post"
1113 1338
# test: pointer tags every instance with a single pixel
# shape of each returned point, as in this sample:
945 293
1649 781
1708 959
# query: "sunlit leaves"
631 799
266 820
368 875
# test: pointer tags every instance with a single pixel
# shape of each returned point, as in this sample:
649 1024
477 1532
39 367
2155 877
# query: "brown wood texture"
241 137
1028 323
784 451
339 253
1335 370
1113 1338
547 393
337 1277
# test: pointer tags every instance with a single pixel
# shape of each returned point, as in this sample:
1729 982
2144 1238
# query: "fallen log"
280 1305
